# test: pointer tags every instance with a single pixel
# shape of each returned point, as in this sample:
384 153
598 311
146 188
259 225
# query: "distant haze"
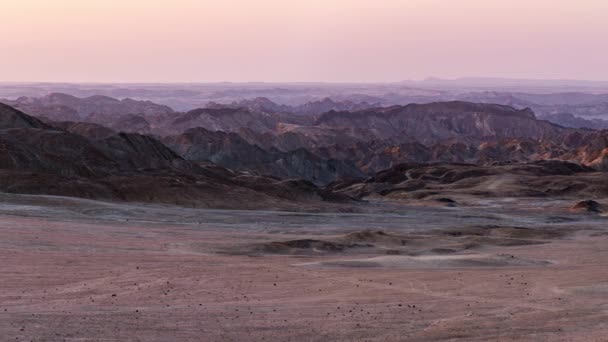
312 40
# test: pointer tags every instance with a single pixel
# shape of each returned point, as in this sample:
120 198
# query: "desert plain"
494 269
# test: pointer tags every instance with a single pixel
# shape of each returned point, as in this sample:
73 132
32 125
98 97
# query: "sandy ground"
77 270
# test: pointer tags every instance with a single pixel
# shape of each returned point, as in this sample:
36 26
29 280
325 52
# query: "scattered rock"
589 206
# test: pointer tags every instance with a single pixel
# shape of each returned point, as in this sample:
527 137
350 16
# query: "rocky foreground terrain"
480 269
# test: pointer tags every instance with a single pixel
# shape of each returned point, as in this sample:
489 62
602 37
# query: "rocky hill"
37 158
454 184
232 151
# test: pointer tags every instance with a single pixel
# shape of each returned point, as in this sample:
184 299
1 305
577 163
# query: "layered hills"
263 142
91 161
65 107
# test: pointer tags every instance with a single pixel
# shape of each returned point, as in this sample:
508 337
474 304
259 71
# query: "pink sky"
312 40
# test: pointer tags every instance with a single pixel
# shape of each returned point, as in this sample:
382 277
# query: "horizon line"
429 79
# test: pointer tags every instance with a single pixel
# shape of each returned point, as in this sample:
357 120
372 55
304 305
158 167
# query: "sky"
301 41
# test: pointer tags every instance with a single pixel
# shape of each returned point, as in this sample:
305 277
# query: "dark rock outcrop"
232 151
590 206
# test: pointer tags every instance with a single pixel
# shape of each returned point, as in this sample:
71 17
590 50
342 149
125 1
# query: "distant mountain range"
320 141
581 98
57 106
